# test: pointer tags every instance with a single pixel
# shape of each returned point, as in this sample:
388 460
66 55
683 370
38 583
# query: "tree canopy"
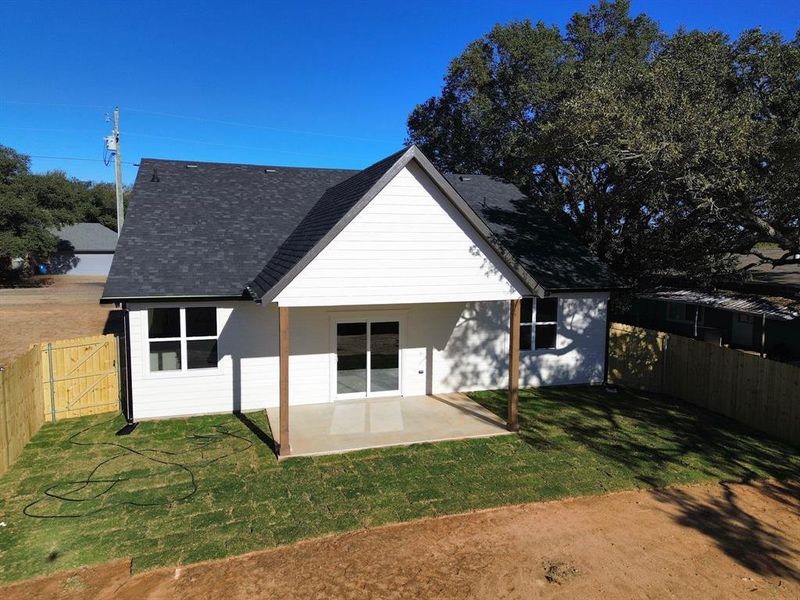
665 154
32 205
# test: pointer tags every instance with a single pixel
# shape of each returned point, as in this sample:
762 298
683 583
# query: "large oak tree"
665 154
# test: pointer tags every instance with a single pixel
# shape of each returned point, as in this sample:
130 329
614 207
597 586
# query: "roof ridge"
254 165
323 217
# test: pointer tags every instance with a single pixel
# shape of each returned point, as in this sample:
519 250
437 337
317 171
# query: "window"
683 313
538 329
175 333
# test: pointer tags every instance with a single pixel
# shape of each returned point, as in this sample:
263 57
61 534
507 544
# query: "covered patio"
345 426
376 421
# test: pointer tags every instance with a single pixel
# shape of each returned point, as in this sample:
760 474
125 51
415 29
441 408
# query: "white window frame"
533 323
183 339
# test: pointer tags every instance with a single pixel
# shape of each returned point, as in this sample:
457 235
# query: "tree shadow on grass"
659 441
656 440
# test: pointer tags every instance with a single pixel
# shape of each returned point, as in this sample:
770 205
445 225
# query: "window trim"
184 371
533 324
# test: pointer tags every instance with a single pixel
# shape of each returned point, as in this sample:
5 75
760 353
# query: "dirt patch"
558 571
721 541
60 308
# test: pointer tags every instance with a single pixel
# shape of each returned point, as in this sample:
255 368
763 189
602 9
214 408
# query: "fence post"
6 456
52 382
664 352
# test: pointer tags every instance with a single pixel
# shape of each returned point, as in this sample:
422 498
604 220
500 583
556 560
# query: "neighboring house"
84 249
760 314
394 280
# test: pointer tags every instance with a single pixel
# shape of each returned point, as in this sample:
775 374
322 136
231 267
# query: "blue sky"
285 83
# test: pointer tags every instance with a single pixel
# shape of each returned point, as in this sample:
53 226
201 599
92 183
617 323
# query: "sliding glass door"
367 359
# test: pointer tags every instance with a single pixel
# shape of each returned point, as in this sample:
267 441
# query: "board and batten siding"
408 245
446 347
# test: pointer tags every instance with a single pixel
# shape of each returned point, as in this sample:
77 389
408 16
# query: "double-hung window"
538 329
182 338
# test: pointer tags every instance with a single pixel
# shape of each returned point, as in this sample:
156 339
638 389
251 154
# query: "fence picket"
761 393
63 378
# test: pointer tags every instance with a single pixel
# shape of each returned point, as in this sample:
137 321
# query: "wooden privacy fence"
761 393
80 376
52 381
21 405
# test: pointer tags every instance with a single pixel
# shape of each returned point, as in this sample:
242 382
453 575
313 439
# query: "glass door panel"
351 363
384 369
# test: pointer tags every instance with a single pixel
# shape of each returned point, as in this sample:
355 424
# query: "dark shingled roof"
227 230
320 220
545 248
86 237
206 229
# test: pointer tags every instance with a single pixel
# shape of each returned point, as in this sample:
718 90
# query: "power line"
163 137
221 144
206 120
49 129
253 126
79 158
54 104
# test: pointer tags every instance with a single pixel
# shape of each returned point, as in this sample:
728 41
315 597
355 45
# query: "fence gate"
80 377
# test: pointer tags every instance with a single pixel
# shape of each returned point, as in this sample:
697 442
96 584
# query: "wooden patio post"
512 422
284 448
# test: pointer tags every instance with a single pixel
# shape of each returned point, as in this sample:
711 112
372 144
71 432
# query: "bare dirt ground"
60 308
711 541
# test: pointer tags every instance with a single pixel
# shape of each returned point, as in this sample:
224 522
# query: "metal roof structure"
774 307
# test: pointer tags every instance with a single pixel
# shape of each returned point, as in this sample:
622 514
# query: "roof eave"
608 288
174 298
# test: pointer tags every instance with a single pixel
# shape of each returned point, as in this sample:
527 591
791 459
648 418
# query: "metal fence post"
52 382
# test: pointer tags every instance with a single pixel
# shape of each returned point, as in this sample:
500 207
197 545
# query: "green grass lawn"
192 489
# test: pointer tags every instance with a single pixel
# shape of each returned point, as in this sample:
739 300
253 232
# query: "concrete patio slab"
348 425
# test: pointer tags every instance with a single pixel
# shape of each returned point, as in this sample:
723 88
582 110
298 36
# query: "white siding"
446 347
248 366
580 353
408 245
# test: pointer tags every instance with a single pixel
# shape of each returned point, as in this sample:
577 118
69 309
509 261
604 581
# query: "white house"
247 287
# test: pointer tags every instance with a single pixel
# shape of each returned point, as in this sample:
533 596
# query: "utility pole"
118 172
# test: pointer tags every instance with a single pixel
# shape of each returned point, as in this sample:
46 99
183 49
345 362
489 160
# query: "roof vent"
191 166
270 170
155 178
464 178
